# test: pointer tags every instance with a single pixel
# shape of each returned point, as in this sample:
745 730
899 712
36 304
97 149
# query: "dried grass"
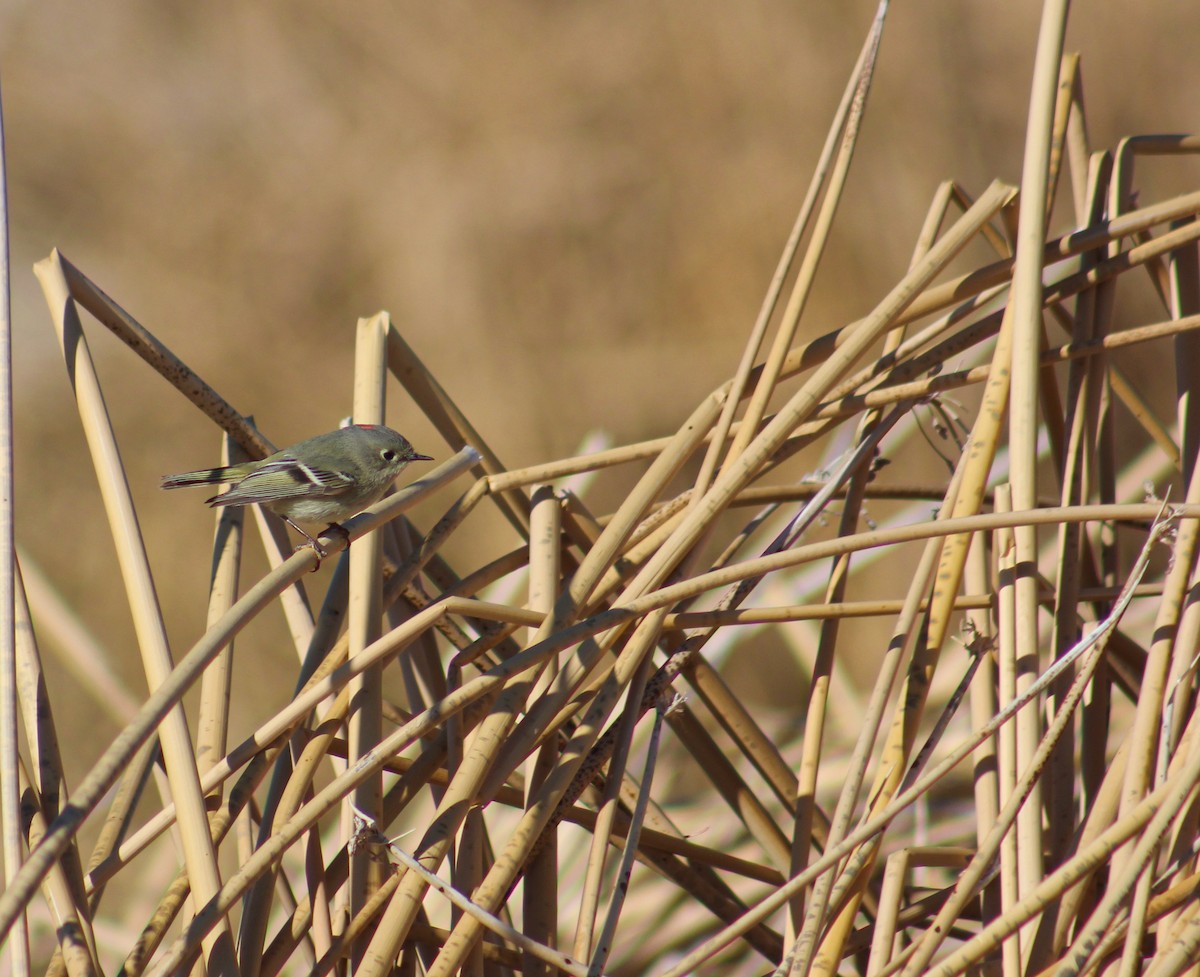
502 723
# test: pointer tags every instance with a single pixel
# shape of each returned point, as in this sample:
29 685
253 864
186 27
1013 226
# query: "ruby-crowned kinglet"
322 480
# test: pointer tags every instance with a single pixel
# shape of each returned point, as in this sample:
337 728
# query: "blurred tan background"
571 210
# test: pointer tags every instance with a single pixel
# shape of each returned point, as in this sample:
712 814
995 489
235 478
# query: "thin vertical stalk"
984 703
365 726
1006 736
10 801
541 892
1023 400
884 942
1082 400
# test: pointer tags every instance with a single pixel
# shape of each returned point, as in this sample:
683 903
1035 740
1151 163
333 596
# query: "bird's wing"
286 478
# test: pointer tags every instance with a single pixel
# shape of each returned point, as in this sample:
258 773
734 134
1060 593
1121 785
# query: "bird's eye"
387 454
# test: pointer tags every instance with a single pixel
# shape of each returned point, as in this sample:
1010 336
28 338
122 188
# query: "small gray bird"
322 480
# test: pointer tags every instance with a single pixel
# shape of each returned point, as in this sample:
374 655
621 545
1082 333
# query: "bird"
326 478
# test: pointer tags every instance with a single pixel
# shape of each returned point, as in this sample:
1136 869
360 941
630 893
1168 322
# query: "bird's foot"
339 530
317 548
311 542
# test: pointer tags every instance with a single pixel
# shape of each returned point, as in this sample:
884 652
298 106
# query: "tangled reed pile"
465 777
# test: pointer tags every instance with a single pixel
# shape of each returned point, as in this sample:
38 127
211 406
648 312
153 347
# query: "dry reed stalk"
1066 847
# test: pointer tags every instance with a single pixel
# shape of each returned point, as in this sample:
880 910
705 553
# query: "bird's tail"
205 476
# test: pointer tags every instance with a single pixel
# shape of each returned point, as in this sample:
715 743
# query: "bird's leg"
312 543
